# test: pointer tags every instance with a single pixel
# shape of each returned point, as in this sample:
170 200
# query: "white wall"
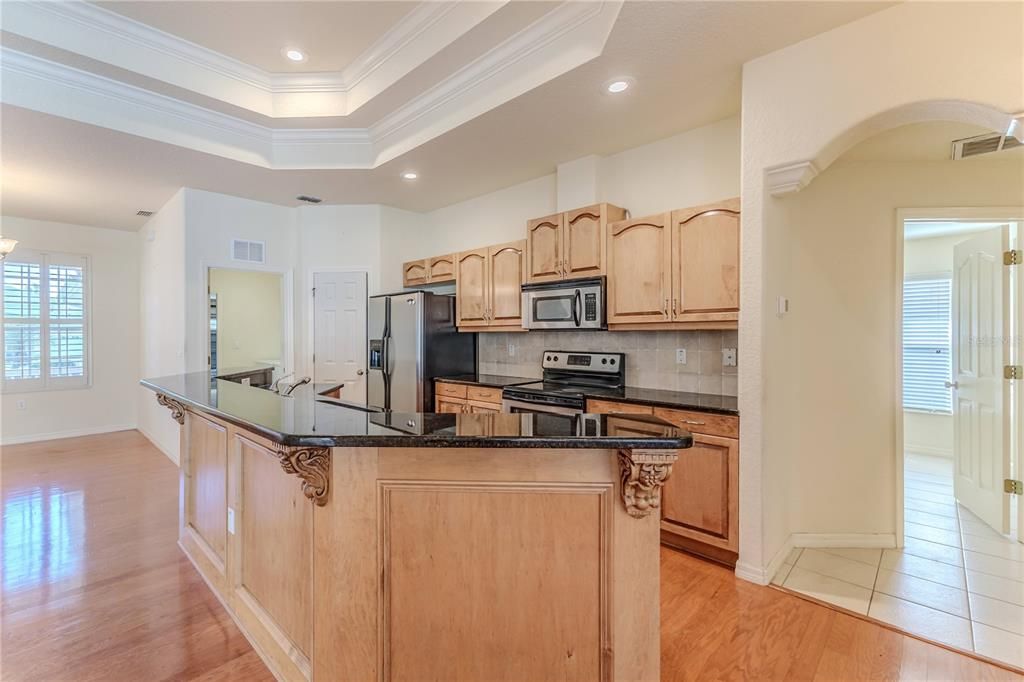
929 434
802 106
109 402
837 344
161 253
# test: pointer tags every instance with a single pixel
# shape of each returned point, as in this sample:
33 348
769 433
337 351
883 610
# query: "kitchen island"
357 545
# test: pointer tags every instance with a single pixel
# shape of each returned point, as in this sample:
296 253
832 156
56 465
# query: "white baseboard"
946 453
71 433
171 456
763 575
854 540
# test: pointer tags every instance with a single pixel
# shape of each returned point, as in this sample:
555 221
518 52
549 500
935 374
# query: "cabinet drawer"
484 394
727 426
451 390
608 407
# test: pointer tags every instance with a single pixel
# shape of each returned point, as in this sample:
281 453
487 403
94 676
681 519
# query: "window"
927 344
45 326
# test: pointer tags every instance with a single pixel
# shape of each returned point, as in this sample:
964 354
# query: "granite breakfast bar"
357 545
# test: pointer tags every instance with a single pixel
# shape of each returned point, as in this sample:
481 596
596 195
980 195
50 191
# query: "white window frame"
928 276
45 382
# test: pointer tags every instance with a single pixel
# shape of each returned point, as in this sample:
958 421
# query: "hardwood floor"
95 588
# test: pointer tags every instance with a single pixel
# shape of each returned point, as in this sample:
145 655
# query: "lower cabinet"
249 531
465 399
700 500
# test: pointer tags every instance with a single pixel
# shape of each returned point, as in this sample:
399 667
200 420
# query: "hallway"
956 581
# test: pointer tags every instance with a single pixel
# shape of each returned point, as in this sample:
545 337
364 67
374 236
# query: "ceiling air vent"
145 214
250 252
983 144
308 199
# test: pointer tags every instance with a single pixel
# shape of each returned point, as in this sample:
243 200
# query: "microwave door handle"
576 303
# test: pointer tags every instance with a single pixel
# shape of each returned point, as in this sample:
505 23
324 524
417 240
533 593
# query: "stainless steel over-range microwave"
573 304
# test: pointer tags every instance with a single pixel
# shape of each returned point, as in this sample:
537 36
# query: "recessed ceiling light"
617 86
294 55
410 175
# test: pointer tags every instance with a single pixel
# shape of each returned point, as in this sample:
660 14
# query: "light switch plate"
728 357
231 520
680 356
511 350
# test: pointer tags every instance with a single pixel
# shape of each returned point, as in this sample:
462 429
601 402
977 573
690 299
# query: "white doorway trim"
287 306
307 305
965 214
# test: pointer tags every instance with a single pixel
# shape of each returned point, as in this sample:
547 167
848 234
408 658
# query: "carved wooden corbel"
313 466
176 408
644 473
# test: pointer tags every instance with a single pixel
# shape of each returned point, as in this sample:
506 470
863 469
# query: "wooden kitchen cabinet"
639 270
488 287
700 500
706 262
445 405
434 270
469 399
414 273
676 270
569 245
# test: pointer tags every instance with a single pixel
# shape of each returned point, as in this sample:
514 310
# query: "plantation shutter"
927 338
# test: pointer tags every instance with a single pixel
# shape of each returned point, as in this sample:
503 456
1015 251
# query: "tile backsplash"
650 356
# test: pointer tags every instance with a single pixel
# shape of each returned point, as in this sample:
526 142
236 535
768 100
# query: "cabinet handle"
693 423
664 309
674 302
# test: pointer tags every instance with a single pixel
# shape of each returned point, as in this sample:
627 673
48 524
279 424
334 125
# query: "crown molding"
103 35
789 178
563 39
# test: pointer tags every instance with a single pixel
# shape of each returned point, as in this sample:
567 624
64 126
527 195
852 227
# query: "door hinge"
1013 487
1013 257
314 292
1013 372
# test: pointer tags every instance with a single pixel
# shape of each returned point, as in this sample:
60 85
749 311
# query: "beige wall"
834 351
109 402
249 317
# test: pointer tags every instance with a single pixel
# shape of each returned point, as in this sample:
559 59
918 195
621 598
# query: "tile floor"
956 580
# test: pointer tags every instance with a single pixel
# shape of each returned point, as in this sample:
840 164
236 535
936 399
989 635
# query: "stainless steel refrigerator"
412 340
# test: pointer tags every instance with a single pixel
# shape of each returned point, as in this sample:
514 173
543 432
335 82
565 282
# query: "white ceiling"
685 58
927 229
331 34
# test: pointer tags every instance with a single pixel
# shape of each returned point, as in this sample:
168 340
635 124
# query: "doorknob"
359 372
952 384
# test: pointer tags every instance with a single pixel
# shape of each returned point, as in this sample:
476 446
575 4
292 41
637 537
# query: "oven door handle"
577 302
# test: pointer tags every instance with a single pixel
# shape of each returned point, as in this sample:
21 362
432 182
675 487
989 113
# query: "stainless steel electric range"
569 376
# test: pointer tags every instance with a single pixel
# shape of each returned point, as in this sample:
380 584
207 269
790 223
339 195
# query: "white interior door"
339 331
981 446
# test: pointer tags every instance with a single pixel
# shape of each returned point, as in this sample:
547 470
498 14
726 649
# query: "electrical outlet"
21 405
511 350
728 357
680 356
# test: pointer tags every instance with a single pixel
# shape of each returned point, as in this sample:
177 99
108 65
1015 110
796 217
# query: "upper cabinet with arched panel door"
434 270
676 270
488 286
569 245
414 273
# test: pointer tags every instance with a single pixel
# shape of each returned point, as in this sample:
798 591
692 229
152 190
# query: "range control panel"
601 363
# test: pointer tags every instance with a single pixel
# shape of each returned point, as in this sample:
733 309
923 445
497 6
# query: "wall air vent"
250 252
983 144
145 214
308 199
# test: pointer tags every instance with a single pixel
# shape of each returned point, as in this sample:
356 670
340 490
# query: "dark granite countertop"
489 380
307 419
655 397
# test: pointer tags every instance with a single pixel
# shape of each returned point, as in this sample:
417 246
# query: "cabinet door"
446 405
706 262
544 247
206 471
483 408
414 273
441 269
471 290
585 239
639 260
700 500
506 270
